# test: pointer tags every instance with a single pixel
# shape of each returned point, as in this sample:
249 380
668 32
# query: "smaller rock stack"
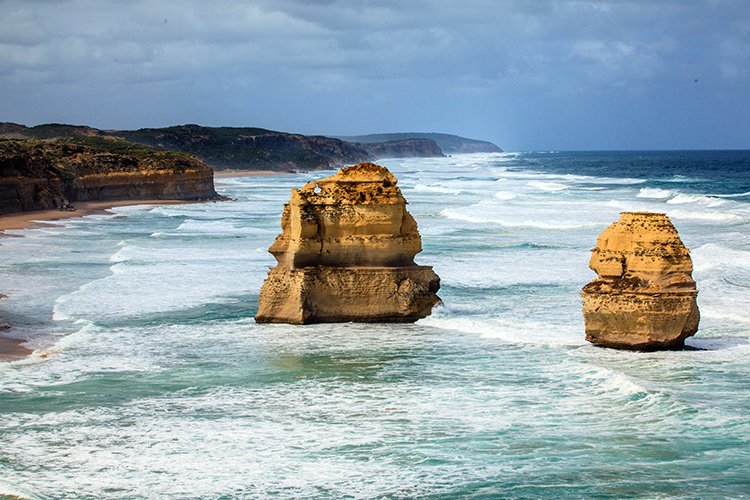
644 297
346 253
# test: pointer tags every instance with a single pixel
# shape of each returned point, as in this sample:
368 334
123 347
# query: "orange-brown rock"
36 175
346 253
644 297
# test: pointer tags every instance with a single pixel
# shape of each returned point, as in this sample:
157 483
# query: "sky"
525 74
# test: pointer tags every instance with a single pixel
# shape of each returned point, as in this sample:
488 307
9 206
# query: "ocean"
151 379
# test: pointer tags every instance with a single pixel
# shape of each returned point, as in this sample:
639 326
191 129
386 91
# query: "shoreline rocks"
346 253
644 297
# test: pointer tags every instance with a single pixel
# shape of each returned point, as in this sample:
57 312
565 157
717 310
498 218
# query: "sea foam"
655 193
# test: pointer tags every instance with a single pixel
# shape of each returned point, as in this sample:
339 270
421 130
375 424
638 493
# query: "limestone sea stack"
346 253
644 297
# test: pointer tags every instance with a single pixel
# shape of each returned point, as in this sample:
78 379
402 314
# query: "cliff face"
254 148
221 147
644 297
346 253
251 148
408 148
42 175
448 143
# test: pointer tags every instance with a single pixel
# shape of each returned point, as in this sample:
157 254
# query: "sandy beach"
36 218
10 348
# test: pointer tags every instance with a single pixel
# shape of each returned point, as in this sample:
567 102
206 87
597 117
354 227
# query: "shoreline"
233 172
11 349
47 218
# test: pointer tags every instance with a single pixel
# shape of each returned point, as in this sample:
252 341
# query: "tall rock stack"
644 297
346 253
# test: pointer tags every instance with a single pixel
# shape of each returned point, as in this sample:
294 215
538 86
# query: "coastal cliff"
252 148
243 148
346 253
407 148
644 297
37 175
448 143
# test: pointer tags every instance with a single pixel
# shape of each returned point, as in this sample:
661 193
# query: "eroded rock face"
346 253
37 175
644 297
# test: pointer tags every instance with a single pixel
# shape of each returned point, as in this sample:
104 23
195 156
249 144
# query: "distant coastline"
55 165
254 148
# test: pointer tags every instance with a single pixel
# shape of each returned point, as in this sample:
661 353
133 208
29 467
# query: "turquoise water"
151 379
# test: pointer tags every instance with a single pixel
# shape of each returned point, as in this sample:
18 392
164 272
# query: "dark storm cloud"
534 73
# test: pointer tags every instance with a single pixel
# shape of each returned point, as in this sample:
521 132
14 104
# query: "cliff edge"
407 148
37 175
447 143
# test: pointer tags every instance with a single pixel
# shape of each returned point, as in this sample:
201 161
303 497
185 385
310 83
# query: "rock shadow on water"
347 353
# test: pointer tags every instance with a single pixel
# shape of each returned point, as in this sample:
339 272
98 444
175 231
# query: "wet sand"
10 348
41 218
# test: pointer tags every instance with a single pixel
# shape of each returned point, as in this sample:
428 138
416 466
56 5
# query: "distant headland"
448 144
54 174
52 166
252 148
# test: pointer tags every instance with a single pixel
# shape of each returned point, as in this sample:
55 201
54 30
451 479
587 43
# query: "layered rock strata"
644 297
407 148
43 175
244 148
346 253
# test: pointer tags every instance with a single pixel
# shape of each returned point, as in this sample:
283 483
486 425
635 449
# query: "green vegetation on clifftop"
449 144
43 174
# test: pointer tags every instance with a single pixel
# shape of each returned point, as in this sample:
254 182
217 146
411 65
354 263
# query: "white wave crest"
625 181
733 195
505 195
511 331
717 313
683 198
614 383
431 188
453 214
682 178
704 216
654 193
548 186
712 256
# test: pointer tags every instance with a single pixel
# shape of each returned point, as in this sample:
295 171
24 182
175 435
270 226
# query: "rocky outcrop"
644 297
44 175
346 253
408 148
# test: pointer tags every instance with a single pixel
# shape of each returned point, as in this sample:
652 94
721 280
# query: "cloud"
474 55
600 40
